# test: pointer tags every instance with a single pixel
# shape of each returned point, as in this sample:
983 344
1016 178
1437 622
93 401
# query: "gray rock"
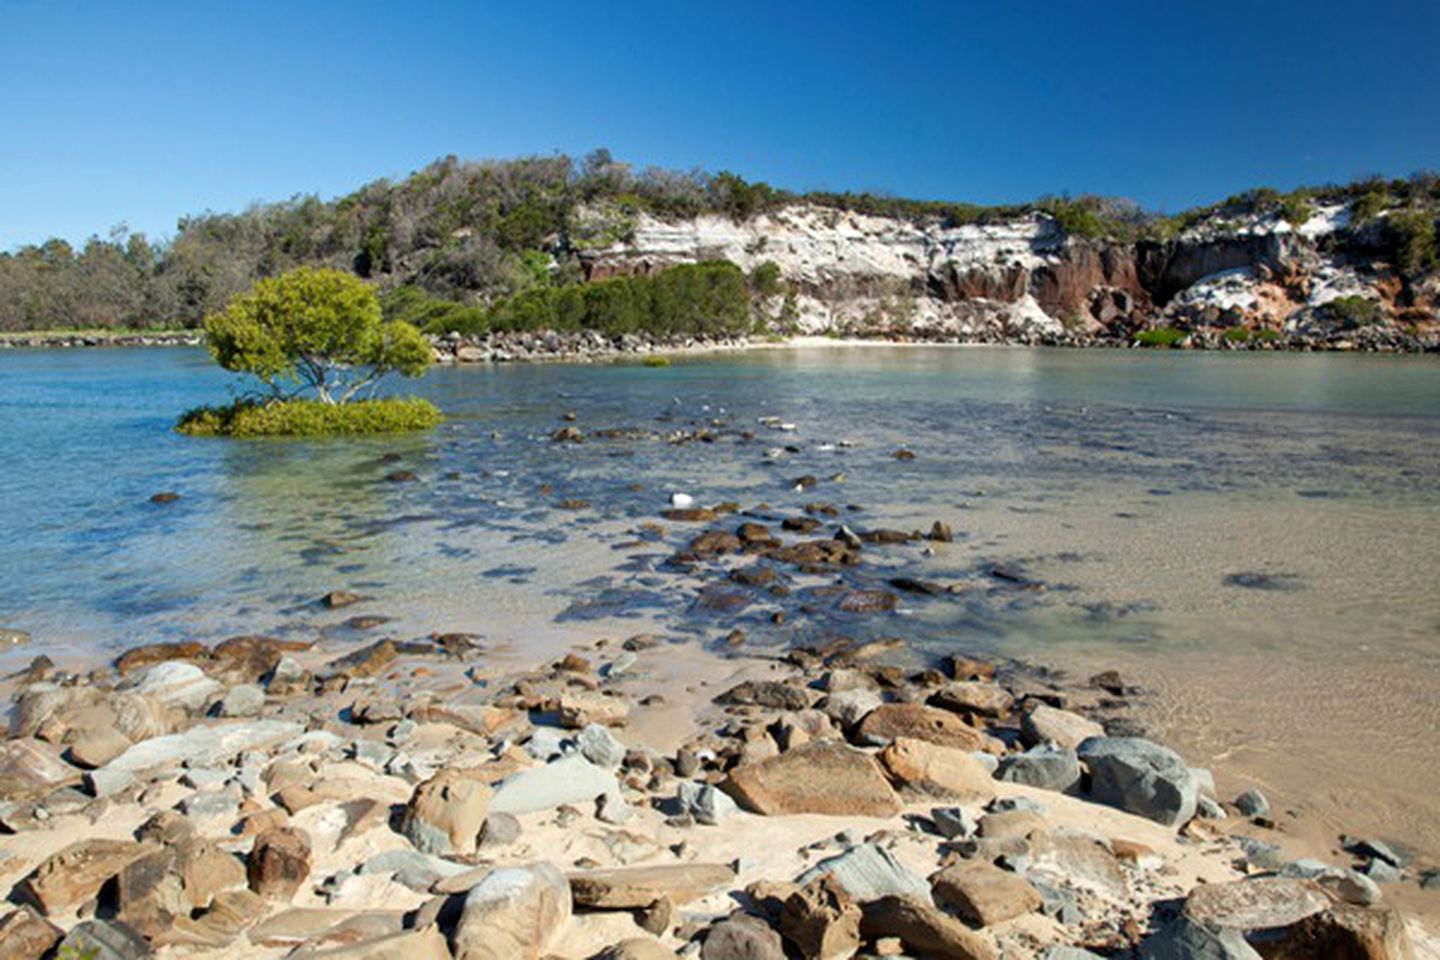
1141 777
1059 952
1186 940
849 707
1045 766
869 872
989 761
1307 868
1011 804
205 778
1353 887
212 803
513 912
1382 871
1204 782
705 803
546 743
1430 880
1266 856
1209 808
742 937
1377 849
1056 902
246 700
600 747
286 670
499 830
196 747
1043 723
953 822
413 862
372 752
612 809
175 684
570 779
104 940
1252 803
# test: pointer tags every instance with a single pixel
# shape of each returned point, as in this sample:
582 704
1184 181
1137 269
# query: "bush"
1412 240
1351 312
1161 337
310 418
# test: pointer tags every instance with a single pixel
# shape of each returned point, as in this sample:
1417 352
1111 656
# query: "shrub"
1295 209
1161 337
1412 240
1352 311
310 418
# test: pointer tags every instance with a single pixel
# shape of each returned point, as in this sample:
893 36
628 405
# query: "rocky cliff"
1238 279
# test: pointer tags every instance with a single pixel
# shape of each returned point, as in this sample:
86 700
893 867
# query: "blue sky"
141 112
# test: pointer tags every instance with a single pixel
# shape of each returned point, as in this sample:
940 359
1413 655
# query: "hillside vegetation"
497 245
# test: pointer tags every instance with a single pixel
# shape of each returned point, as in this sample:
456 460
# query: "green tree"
319 329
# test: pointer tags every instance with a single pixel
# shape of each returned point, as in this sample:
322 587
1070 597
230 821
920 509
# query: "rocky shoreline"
645 797
67 340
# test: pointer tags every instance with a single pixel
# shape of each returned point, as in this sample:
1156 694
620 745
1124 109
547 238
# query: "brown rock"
153 653
1081 857
924 929
481 719
629 888
172 882
775 694
336 599
1010 824
821 920
983 894
869 601
446 812
715 543
961 667
25 935
890 721
819 777
425 944
279 863
943 773
817 554
77 873
1042 723
97 746
973 696
1263 903
742 937
31 767
246 659
368 661
1343 932
690 514
513 914
638 948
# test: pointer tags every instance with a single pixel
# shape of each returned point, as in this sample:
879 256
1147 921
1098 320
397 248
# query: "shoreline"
395 766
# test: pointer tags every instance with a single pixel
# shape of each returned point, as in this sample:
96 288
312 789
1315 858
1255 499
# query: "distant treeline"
485 234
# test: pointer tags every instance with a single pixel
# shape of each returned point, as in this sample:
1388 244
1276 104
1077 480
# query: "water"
1253 537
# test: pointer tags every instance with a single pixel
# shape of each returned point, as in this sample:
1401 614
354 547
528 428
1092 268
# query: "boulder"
705 802
821 920
630 888
513 914
175 683
1343 932
930 770
279 863
32 767
197 747
1044 766
598 745
75 874
175 881
104 940
923 929
775 694
1263 903
245 700
1042 723
891 720
446 812
974 696
742 937
26 935
868 872
571 779
149 654
1184 939
982 894
638 948
849 707
96 747
424 944
819 777
1140 777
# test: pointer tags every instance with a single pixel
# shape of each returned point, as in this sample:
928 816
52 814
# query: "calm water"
1137 486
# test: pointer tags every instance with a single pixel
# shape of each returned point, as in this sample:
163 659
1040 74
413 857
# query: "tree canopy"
314 329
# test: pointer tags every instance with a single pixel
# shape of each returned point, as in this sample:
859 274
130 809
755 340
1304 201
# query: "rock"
1378 850
31 767
1042 723
1258 904
850 707
414 863
175 684
704 802
245 700
923 929
638 948
1010 824
279 863
368 661
982 894
1344 932
1062 952
869 601
1184 939
1252 803
630 888
25 935
1047 767
578 709
600 747
571 779
821 921
1353 887
445 813
819 777
867 872
742 937
76 873
172 882
1140 777
1083 859
153 653
1382 871
1111 682
196 747
104 940
336 599
612 808
1266 856
97 747
891 720
424 944
973 696
935 771
953 822
774 694
515 913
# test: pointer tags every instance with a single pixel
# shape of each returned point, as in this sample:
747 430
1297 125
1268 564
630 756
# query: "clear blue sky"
140 112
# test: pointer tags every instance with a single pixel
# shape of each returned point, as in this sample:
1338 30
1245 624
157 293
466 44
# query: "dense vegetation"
317 344
470 236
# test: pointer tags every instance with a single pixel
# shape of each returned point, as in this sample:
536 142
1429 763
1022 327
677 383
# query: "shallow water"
1253 537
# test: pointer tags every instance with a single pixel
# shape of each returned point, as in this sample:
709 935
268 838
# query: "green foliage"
1295 209
310 418
72 952
321 329
412 305
765 280
1412 240
1367 206
1351 312
1161 337
655 361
